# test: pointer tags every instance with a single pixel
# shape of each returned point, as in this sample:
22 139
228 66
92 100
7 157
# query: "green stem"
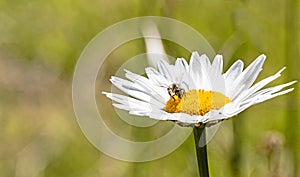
201 152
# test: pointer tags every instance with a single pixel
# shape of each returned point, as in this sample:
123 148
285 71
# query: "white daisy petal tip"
195 53
204 57
108 95
290 83
282 69
204 103
126 71
219 57
262 56
113 79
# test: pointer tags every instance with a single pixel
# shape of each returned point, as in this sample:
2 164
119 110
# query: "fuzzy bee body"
175 90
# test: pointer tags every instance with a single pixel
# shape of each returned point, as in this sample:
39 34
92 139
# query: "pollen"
196 102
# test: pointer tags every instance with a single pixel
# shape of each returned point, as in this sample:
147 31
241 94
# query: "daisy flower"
195 94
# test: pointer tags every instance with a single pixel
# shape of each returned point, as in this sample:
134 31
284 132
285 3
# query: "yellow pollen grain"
196 102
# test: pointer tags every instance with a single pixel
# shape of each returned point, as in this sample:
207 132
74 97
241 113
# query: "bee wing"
208 134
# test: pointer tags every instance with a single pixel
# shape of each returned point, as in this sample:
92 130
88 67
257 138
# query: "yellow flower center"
196 102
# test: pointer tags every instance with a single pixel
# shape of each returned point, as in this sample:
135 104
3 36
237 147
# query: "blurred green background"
41 41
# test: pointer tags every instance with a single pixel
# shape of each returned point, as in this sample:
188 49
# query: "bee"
175 89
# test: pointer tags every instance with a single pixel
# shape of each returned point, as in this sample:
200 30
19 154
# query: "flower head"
196 93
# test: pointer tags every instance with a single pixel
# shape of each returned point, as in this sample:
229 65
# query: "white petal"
158 93
182 65
199 71
247 77
122 106
181 117
234 71
258 86
269 93
261 96
130 102
205 73
232 74
168 71
229 110
156 77
195 69
214 115
139 112
205 62
182 68
217 66
130 88
216 77
238 110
